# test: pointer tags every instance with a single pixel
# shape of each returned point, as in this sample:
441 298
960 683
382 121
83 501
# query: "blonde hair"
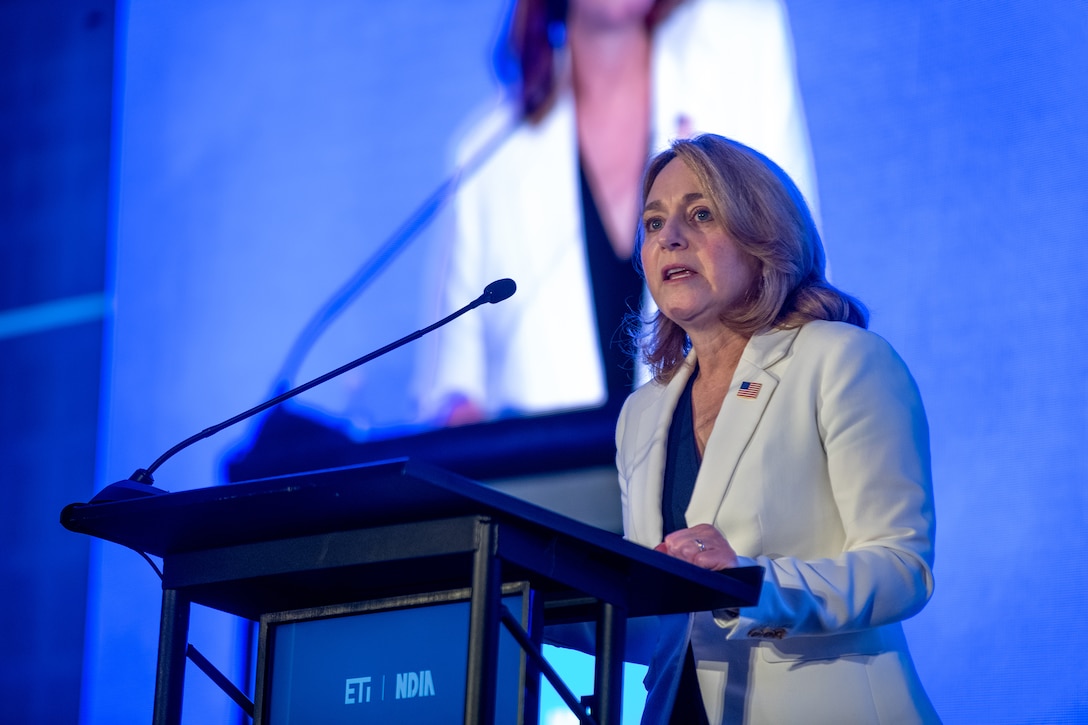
762 209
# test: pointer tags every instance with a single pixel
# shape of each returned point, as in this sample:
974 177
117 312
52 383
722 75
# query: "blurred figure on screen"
776 431
602 84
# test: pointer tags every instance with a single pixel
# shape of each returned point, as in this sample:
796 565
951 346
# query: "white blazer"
823 479
721 66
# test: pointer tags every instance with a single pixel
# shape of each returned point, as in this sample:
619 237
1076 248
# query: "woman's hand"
701 545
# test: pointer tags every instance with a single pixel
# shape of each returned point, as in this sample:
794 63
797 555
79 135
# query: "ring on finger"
700 544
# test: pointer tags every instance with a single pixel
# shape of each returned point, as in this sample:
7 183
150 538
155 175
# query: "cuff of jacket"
738 626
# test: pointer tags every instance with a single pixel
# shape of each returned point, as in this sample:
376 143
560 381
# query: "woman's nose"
672 235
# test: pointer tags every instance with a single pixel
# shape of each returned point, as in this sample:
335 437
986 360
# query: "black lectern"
392 529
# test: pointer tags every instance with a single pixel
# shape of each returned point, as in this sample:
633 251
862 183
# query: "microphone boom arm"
495 292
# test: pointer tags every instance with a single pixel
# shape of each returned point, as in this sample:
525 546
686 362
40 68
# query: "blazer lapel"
646 490
749 393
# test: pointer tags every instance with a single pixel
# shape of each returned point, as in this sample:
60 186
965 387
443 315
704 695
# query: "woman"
777 432
603 83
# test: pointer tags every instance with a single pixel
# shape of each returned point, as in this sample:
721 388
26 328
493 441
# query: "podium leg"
608 666
173 642
483 627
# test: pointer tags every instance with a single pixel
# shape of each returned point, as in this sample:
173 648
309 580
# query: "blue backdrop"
264 149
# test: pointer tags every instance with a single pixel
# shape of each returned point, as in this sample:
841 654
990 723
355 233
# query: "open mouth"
672 273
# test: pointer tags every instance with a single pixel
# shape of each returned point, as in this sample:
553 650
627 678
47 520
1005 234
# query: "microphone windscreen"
500 290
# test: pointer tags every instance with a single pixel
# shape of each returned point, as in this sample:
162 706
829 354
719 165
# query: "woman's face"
694 268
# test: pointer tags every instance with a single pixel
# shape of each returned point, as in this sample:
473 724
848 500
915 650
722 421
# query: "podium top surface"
272 544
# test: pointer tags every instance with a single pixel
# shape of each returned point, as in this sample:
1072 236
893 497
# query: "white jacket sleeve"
873 428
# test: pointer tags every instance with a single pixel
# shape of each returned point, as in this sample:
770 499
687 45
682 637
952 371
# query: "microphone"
497 291
140 484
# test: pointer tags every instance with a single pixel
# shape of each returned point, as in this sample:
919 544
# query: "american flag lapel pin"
749 390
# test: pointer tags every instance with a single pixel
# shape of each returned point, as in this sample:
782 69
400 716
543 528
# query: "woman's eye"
702 215
653 225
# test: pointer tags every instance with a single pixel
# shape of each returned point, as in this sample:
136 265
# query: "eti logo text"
358 690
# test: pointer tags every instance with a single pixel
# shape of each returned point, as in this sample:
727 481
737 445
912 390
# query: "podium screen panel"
398 661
